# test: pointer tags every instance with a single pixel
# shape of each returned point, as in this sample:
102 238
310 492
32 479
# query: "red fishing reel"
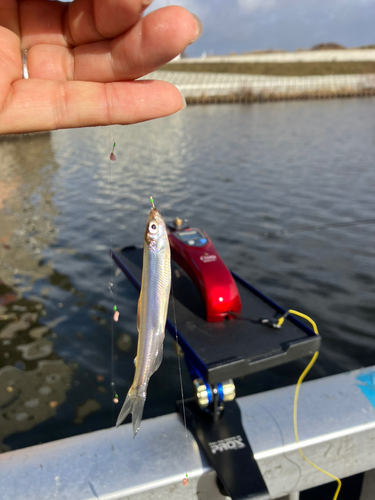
193 250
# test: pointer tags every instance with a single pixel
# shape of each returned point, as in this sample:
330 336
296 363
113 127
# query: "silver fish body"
152 315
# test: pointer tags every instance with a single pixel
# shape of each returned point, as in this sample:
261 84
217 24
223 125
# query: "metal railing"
336 423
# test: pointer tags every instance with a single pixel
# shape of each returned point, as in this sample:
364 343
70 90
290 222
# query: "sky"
247 25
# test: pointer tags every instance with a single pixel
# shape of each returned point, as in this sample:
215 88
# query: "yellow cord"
298 386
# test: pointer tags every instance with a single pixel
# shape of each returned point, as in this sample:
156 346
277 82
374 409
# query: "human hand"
82 61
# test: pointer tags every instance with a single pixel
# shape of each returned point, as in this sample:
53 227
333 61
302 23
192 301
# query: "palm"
83 58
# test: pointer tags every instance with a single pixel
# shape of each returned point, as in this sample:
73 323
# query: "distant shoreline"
276 69
300 63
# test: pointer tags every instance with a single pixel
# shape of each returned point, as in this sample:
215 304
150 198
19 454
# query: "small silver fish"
152 315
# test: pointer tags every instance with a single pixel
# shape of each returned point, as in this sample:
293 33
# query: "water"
249 175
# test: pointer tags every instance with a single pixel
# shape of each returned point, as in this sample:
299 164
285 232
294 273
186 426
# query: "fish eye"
153 227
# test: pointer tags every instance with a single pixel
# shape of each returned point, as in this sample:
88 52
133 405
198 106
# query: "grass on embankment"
277 69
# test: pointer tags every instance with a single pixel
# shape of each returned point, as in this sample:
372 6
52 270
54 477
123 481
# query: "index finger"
36 105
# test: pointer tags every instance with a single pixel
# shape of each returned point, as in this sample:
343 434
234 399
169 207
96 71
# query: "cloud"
253 5
197 7
246 25
267 5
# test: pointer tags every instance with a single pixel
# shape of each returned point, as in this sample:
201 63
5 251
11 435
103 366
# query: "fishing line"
185 480
111 286
154 154
278 324
296 395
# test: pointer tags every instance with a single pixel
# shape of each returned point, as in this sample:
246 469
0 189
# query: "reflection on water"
247 174
33 381
30 397
27 212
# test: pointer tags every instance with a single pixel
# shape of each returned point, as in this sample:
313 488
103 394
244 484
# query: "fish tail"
134 404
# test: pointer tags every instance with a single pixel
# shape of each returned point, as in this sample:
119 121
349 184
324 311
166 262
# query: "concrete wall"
202 86
301 56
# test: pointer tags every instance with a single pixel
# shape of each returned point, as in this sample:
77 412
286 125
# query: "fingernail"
145 4
183 103
183 100
199 29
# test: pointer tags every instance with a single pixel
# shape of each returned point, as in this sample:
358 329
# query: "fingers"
10 62
80 22
9 16
47 101
89 21
152 42
36 105
41 21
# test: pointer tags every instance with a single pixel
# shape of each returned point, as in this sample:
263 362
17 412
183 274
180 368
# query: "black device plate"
227 449
232 348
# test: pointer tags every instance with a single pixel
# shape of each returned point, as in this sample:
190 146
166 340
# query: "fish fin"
134 404
158 359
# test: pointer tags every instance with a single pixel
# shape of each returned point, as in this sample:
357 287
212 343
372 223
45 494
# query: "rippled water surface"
254 177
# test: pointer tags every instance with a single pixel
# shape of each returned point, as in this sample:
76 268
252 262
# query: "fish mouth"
154 212
154 215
